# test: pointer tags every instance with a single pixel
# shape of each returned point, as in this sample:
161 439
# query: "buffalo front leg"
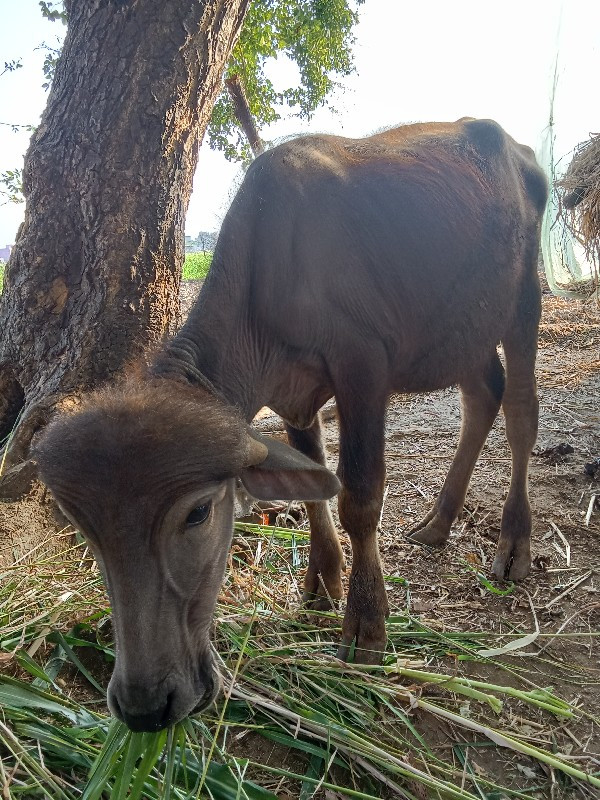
322 582
520 405
480 402
362 473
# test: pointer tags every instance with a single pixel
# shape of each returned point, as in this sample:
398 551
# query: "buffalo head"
147 473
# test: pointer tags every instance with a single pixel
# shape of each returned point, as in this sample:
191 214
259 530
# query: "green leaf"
124 776
153 745
57 636
224 785
32 667
315 771
104 766
17 695
488 584
317 35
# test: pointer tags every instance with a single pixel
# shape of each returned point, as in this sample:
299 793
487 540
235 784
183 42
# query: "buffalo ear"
286 474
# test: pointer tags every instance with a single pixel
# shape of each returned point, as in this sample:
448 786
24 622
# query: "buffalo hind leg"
520 405
480 402
322 582
362 473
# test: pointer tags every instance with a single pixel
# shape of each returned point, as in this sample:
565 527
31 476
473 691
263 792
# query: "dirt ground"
562 593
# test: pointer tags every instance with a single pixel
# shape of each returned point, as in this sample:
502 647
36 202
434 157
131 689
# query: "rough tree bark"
94 275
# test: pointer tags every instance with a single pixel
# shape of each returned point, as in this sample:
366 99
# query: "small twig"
464 774
588 516
564 541
385 494
569 589
418 489
448 457
565 623
332 602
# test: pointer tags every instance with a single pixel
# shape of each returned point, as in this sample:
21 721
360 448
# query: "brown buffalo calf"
347 267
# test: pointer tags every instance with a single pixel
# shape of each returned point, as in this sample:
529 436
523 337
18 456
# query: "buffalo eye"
198 515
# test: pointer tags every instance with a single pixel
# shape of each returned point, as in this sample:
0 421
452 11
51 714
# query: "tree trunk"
94 275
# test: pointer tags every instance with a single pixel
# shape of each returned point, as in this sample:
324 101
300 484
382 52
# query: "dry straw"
579 192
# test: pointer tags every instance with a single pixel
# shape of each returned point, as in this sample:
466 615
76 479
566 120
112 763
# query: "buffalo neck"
218 346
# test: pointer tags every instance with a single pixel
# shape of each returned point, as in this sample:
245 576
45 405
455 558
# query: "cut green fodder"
351 730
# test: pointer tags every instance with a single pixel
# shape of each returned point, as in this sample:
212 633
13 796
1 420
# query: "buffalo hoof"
513 559
318 602
364 620
368 636
433 531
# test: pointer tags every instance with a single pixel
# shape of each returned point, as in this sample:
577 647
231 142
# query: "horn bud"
256 452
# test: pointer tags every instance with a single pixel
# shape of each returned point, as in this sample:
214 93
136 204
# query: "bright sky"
430 60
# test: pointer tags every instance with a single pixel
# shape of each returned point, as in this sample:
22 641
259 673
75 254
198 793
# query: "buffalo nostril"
211 689
166 717
114 705
117 706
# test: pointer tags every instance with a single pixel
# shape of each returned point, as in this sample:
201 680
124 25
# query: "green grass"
196 265
353 731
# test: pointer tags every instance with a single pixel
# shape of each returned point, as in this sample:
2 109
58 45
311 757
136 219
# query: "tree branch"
243 114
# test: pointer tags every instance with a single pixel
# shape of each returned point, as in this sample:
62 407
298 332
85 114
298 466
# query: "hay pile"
580 196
